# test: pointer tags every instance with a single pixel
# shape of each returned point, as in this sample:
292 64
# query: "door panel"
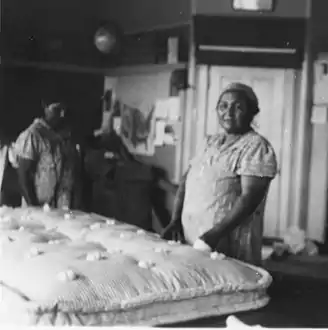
272 89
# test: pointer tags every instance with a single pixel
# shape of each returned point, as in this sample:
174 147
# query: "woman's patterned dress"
213 184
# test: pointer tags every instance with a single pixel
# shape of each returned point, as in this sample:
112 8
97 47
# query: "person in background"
9 188
220 202
47 161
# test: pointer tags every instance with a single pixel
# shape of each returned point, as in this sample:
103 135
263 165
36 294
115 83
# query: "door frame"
195 125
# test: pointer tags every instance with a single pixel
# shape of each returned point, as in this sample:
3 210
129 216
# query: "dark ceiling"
63 30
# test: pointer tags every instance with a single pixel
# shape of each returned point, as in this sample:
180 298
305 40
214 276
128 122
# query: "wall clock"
107 38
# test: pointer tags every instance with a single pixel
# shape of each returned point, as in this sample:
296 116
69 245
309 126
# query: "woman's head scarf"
246 90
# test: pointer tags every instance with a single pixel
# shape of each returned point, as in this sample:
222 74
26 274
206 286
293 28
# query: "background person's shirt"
54 176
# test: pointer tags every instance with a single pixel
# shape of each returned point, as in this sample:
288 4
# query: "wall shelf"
111 72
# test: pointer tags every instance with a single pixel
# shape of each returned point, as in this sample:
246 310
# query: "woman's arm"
254 190
175 223
179 199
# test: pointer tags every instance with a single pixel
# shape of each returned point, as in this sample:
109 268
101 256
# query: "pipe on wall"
190 112
304 133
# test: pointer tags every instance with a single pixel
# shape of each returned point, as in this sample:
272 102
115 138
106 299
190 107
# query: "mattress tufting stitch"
63 267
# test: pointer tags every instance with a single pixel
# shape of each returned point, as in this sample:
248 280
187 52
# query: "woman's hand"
200 245
173 231
254 190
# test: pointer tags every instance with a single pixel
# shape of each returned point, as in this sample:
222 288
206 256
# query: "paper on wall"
117 125
169 139
168 108
138 129
173 108
159 133
161 109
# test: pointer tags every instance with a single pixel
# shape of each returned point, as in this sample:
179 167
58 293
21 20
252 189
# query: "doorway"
275 91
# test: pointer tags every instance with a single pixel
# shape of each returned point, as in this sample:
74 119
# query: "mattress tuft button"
68 216
174 242
110 222
94 226
217 256
162 250
46 208
67 276
146 264
34 252
95 256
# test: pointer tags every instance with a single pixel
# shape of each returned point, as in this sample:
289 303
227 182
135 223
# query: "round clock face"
105 40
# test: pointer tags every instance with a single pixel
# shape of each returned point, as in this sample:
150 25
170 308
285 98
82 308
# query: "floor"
297 300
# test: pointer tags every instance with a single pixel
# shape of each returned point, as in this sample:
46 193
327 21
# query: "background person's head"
236 108
55 114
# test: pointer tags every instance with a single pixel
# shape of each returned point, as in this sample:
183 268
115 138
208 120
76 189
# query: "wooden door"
275 90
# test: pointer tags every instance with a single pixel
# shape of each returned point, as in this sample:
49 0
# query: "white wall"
317 204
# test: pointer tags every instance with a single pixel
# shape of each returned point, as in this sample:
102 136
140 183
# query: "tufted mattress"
62 267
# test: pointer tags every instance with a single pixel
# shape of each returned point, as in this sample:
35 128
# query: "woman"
220 201
47 161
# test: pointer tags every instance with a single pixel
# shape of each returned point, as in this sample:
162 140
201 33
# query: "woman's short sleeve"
258 159
27 145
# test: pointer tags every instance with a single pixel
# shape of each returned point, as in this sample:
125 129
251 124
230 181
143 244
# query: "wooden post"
304 134
189 113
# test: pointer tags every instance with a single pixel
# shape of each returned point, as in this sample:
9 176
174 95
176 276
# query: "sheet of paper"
161 109
117 125
169 139
173 108
159 132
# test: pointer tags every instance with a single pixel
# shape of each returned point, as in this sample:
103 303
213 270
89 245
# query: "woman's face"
56 116
233 113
